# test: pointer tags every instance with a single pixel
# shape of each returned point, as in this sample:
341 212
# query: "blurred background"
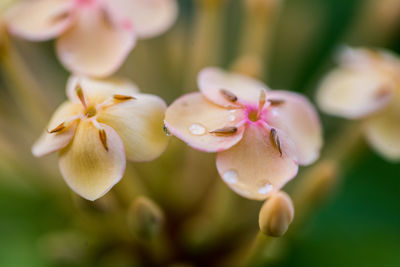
294 42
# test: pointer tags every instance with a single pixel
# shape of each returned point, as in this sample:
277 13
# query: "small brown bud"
276 214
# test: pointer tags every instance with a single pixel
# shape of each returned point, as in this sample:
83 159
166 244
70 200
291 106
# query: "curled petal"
39 20
383 132
213 82
296 116
50 142
87 167
98 90
94 46
254 168
353 93
139 123
147 17
194 119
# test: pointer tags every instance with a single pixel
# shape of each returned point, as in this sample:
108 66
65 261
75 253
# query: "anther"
123 97
228 95
103 138
79 93
273 135
276 102
225 131
59 128
60 17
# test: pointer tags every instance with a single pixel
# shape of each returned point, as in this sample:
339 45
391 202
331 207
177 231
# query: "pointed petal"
39 20
50 142
212 80
139 123
99 90
147 17
94 46
254 167
383 132
192 117
87 167
353 93
299 120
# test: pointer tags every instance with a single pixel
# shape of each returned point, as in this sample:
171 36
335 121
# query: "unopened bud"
145 218
276 214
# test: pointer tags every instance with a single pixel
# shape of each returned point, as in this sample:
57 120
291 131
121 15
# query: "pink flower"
260 136
103 123
366 86
94 36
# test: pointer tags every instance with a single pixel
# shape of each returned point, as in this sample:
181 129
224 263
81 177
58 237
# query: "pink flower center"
81 3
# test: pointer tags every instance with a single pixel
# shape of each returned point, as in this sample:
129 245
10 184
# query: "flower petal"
211 80
353 93
254 167
87 167
147 17
94 46
50 142
139 123
299 120
99 90
39 20
192 117
383 132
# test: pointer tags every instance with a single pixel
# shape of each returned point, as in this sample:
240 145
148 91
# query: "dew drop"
265 189
197 129
232 117
230 176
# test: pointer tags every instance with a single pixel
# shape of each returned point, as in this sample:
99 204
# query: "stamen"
383 92
225 131
273 135
103 138
276 102
123 97
107 18
60 17
59 128
228 95
261 103
79 93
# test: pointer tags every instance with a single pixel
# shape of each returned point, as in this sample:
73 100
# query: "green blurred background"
358 226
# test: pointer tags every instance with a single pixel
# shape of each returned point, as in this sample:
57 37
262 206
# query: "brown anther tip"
123 97
225 131
59 128
60 17
276 102
228 95
383 92
103 138
273 135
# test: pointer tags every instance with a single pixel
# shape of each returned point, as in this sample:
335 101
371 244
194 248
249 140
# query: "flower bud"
276 214
145 218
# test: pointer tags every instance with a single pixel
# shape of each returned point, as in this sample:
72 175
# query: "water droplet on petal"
230 176
166 131
232 117
265 189
197 129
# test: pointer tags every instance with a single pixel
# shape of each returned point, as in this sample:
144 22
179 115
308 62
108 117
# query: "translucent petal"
87 167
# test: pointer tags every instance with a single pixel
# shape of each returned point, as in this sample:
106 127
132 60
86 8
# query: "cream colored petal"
192 117
299 120
247 90
353 93
383 132
39 20
254 168
94 46
139 123
147 17
87 167
50 142
98 90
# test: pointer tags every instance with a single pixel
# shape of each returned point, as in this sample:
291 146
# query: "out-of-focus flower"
260 136
103 123
366 86
94 36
